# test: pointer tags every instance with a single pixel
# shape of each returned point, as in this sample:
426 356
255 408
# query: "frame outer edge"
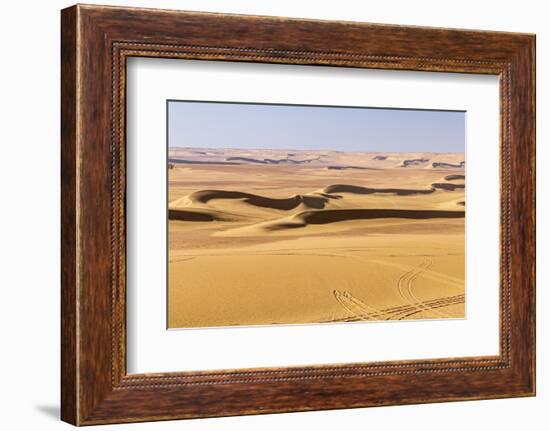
88 397
532 78
533 53
69 195
528 61
523 217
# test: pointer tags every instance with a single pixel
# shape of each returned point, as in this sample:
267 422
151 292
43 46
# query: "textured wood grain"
96 41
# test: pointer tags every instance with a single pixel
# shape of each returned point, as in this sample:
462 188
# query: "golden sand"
268 237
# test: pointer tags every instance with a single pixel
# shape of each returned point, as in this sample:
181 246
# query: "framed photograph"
270 220
264 214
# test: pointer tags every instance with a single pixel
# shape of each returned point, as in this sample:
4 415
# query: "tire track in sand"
433 306
405 282
354 306
411 294
414 305
359 313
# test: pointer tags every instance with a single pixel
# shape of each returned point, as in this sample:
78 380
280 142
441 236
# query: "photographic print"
299 214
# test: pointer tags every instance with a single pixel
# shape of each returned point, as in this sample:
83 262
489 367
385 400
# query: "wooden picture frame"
95 43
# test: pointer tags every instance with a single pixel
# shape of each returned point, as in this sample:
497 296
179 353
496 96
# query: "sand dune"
338 237
314 200
317 158
187 208
334 216
198 162
454 177
202 215
349 188
448 165
414 162
246 159
309 201
190 215
348 167
271 161
447 186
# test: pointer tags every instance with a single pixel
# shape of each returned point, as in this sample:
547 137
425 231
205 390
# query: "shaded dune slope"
187 215
333 216
447 186
270 161
192 207
448 165
348 188
454 177
192 214
414 162
199 162
341 168
310 201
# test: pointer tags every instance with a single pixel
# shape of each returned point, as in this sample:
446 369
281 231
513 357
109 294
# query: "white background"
151 348
29 225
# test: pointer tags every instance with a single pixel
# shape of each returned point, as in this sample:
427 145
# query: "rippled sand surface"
261 237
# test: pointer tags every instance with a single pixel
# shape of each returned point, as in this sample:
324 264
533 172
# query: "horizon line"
311 150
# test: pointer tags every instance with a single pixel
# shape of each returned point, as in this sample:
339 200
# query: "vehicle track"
359 309
353 305
405 282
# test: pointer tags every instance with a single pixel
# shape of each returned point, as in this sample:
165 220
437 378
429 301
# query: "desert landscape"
260 236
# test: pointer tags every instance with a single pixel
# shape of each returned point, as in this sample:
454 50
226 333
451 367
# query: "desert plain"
260 237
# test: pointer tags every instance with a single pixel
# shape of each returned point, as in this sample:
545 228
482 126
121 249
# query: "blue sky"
296 127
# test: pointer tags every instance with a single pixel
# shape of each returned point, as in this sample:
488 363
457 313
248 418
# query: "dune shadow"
447 186
341 168
454 177
448 165
316 202
414 162
199 162
186 215
334 216
349 188
202 215
193 209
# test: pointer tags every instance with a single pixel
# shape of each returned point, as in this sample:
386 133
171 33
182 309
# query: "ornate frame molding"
96 41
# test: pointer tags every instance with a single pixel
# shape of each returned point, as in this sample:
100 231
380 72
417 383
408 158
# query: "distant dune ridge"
448 165
271 161
199 162
447 186
414 162
454 177
334 159
348 188
348 167
300 236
